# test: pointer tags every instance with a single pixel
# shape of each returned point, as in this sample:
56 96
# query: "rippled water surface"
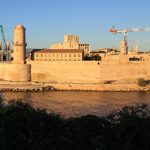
73 103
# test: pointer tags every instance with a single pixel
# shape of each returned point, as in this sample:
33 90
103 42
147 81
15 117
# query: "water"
73 103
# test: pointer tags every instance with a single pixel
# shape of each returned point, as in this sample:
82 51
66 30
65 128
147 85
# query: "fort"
113 72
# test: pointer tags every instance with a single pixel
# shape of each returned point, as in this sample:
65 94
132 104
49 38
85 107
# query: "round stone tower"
19 44
18 70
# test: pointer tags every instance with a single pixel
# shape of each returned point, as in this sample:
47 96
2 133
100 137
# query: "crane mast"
124 45
4 50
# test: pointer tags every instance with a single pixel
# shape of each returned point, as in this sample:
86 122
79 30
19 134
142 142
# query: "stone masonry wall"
87 71
79 72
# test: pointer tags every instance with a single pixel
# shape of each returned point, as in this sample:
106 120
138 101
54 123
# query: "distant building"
72 42
57 55
103 52
98 53
5 55
86 48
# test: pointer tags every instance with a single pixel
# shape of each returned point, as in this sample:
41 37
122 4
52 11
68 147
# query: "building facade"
57 55
72 42
86 48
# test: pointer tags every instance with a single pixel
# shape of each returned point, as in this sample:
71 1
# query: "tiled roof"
58 51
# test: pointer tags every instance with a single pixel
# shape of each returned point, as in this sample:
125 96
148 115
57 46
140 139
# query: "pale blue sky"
47 21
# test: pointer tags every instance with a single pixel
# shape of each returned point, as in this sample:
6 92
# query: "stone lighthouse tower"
19 44
18 70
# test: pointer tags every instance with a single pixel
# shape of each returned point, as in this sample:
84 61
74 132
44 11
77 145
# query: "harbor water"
79 103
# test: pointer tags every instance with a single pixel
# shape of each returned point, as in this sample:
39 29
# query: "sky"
46 21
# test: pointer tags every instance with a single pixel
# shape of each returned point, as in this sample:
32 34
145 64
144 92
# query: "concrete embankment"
72 87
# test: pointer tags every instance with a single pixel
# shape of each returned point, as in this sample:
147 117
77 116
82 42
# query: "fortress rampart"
85 72
82 72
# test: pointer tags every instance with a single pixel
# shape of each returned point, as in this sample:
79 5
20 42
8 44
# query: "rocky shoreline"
108 90
40 89
142 89
52 88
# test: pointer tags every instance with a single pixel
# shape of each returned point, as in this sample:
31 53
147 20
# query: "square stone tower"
71 42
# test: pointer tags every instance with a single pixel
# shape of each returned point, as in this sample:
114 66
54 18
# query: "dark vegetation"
134 59
143 82
95 57
24 128
109 81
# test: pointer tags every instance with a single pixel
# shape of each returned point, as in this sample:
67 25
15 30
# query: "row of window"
87 45
57 55
58 60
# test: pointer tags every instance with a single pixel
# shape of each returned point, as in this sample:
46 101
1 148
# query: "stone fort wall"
87 71
79 72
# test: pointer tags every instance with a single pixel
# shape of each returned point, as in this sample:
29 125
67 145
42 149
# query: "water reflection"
72 103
